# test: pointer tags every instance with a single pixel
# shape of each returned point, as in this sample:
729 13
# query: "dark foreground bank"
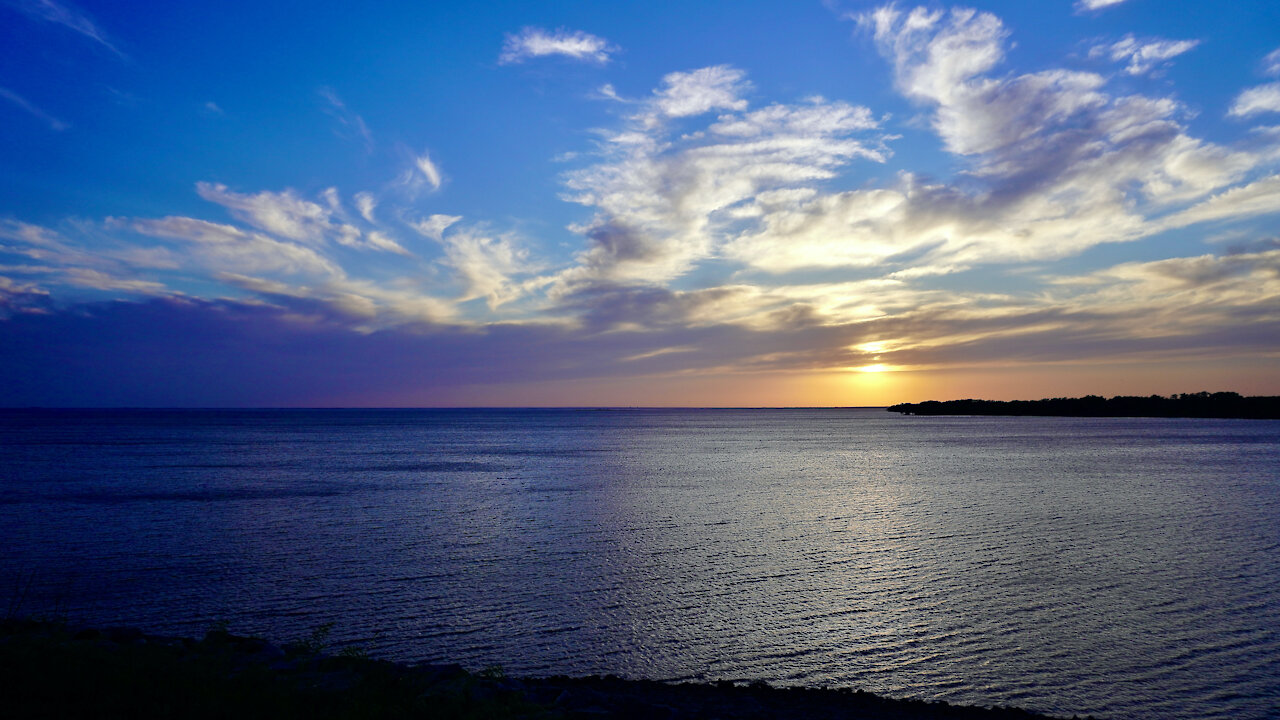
53 670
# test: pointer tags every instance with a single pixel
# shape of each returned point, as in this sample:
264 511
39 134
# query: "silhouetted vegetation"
1186 405
53 670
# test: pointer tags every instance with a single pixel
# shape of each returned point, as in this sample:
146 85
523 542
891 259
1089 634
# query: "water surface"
1120 567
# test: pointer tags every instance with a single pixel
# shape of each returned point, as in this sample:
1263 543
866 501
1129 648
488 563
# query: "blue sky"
762 203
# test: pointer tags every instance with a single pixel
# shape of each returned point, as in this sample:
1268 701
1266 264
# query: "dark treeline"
1192 405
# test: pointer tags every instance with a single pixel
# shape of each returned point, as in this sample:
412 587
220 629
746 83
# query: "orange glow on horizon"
851 387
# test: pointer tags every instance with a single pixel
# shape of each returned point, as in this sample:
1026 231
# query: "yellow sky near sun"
853 388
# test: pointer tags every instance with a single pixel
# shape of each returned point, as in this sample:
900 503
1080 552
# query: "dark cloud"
1259 245
196 353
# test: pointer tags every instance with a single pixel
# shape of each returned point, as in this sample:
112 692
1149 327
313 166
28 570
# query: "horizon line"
440 407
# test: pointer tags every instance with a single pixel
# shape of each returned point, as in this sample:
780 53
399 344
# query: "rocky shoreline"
52 669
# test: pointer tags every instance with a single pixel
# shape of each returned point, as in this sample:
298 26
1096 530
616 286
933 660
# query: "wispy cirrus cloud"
217 248
1260 98
350 124
280 213
366 202
1271 63
288 215
535 42
53 122
69 16
429 171
350 303
420 175
284 249
1143 56
1260 197
51 259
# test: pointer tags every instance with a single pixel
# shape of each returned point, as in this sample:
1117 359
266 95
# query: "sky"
721 203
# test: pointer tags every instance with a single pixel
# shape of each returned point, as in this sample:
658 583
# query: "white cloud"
1181 300
822 118
29 234
288 257
664 203
365 203
1096 4
360 305
935 53
53 122
227 248
1145 55
98 280
1055 126
699 91
283 213
297 276
534 42
940 58
286 215
428 170
1261 197
607 92
1260 99
58 254
807 230
379 240
435 225
486 265
1271 63
1056 166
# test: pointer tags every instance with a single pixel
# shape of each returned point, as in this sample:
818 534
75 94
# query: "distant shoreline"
1219 405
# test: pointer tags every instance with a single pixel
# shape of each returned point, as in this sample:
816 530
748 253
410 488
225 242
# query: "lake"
1121 567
